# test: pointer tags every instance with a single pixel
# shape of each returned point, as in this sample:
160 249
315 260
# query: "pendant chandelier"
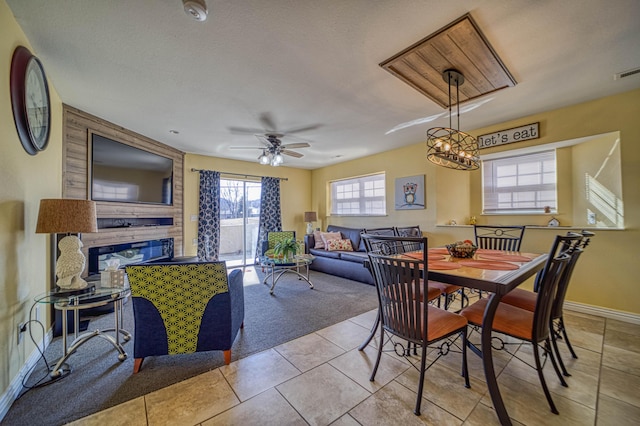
449 147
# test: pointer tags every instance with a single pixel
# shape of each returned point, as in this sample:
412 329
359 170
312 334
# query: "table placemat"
489 264
505 257
442 265
438 250
418 255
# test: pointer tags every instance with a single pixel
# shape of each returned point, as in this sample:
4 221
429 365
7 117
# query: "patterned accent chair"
182 308
273 238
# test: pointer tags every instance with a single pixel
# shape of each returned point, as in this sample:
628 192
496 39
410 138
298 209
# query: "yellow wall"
25 180
295 198
607 274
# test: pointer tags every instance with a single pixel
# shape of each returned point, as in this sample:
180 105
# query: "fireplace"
128 253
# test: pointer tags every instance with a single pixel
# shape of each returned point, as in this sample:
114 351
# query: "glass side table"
77 302
298 265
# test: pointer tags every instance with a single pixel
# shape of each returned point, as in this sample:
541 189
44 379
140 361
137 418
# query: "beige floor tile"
268 408
345 420
623 340
130 413
615 412
358 365
346 334
394 405
583 383
309 351
444 387
191 401
257 373
527 404
485 416
625 327
620 385
366 319
621 359
322 395
585 331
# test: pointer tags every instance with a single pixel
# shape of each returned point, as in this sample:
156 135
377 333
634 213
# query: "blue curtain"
270 215
209 216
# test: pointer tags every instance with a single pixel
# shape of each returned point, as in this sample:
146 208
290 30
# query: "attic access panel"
461 46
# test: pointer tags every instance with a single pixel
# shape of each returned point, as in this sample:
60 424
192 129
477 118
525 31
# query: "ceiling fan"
273 149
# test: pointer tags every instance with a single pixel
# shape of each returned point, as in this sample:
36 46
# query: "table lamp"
67 216
310 217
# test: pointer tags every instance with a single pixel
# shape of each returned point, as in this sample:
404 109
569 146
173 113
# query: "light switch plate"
591 218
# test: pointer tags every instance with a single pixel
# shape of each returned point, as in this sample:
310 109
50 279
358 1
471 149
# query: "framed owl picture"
410 193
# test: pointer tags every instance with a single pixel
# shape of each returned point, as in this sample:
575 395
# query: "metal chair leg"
536 355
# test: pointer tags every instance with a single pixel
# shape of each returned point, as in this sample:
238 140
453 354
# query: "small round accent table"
278 267
77 302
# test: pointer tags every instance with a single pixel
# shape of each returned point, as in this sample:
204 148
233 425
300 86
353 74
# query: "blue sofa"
346 264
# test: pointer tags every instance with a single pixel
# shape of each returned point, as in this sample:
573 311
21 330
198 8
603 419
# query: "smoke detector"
197 9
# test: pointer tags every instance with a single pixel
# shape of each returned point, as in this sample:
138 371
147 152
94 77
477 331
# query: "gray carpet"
98 380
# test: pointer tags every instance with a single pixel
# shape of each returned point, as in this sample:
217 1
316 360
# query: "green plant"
286 248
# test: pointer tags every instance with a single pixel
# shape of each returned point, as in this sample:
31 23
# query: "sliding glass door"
239 217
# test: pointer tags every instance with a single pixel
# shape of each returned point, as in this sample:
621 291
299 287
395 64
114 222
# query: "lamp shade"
58 216
310 216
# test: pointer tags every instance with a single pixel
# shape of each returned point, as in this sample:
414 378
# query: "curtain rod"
193 169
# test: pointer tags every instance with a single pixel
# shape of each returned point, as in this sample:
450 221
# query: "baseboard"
602 312
15 387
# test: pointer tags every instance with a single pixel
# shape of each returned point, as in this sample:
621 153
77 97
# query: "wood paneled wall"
78 126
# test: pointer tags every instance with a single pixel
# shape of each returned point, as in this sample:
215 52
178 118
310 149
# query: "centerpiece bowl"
462 249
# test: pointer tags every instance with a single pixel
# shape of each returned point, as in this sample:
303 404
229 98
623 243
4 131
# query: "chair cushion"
521 298
339 245
508 320
442 323
444 288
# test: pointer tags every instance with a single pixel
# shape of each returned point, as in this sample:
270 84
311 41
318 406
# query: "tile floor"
322 379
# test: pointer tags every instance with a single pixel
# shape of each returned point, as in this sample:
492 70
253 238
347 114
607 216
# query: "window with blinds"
520 184
360 196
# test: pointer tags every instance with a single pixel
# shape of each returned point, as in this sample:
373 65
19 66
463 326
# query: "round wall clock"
30 100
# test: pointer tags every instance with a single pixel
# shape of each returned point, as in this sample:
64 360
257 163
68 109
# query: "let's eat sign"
503 137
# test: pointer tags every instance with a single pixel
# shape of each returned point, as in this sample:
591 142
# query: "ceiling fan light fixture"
264 158
449 147
197 9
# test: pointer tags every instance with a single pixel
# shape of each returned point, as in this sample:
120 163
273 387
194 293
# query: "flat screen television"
124 173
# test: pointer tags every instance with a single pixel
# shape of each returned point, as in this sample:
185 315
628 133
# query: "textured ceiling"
145 65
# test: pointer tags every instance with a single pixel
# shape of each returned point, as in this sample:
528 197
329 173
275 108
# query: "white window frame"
359 196
535 186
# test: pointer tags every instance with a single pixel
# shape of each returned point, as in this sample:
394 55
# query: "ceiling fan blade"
245 147
267 121
266 141
296 145
245 130
302 129
292 153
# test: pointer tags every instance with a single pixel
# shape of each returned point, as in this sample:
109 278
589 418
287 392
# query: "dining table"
492 271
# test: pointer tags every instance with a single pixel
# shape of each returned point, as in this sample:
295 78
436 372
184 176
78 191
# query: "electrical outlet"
194 218
194 242
22 327
591 218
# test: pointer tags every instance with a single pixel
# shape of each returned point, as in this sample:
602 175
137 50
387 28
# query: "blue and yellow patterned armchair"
182 308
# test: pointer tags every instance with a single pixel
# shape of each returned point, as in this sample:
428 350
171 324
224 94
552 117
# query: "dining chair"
499 237
400 282
526 299
532 326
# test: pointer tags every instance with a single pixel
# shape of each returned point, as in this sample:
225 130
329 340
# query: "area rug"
98 380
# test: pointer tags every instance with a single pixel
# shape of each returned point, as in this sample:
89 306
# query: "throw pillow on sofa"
339 245
328 236
317 237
